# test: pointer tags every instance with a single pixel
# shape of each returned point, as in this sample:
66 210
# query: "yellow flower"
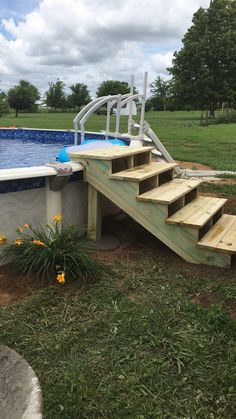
18 241
57 218
19 229
3 239
61 278
39 243
26 225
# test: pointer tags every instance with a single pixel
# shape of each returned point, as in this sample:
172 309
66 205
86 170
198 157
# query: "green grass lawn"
134 346
221 189
180 132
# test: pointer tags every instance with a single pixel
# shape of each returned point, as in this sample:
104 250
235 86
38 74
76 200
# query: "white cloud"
91 40
160 62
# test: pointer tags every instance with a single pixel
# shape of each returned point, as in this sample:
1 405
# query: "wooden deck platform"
109 153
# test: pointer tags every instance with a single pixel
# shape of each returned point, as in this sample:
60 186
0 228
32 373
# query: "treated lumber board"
94 214
109 153
222 236
198 212
170 191
144 171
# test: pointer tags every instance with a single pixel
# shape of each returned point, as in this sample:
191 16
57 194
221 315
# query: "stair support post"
94 214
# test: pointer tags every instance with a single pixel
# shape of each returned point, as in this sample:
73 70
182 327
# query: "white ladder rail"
150 134
80 115
89 109
111 100
159 146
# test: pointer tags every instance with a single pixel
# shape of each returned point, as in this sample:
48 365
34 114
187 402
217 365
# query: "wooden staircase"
192 226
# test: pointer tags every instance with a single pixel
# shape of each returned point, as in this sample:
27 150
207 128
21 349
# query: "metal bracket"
63 174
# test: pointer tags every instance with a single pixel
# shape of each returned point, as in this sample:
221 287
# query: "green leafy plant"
225 118
53 251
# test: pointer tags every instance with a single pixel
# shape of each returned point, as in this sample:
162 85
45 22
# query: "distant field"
180 132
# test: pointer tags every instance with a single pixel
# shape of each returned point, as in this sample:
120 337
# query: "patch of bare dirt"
211 194
207 300
221 181
231 309
14 288
204 299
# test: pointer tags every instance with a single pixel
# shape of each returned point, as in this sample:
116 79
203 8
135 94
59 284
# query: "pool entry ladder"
144 134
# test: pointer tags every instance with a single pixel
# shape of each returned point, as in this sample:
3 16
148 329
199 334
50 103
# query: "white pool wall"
38 206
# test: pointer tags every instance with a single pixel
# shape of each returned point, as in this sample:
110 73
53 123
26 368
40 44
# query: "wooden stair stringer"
182 240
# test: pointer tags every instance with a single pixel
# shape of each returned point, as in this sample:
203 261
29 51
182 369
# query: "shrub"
148 105
102 111
53 251
225 118
4 106
188 108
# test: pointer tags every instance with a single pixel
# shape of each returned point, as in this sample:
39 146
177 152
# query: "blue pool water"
22 147
18 153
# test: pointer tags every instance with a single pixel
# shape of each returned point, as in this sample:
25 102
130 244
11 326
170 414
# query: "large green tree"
79 97
56 95
23 97
204 69
112 87
161 90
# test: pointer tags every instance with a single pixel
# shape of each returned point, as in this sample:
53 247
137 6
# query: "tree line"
202 75
24 96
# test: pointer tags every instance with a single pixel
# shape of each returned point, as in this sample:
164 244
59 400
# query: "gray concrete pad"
106 243
20 393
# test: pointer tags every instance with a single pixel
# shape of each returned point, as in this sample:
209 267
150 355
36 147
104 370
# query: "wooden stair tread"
170 191
222 236
197 212
143 172
109 153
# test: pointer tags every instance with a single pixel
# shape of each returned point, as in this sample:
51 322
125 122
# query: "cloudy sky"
90 40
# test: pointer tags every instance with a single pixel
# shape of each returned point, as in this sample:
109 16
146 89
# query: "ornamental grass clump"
54 252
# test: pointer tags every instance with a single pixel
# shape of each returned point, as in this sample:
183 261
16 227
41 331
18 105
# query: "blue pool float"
63 157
